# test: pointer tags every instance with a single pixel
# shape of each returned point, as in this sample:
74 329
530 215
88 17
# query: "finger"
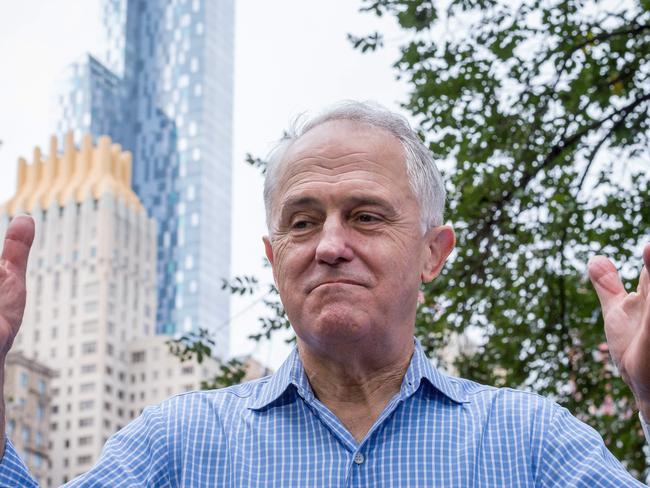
644 279
604 277
18 241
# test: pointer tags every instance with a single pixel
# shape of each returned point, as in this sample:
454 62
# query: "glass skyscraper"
164 91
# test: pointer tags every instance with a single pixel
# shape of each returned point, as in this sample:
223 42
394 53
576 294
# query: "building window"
89 326
91 288
57 282
88 368
85 422
24 379
86 404
89 347
137 357
73 284
85 459
85 440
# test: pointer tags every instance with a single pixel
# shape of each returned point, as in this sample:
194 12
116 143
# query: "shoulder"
506 404
224 401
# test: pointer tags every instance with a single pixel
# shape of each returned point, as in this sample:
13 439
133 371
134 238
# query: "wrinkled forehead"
339 147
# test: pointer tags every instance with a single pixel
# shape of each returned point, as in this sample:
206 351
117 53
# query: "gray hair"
424 178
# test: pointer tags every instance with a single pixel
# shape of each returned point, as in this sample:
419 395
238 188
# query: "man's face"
347 247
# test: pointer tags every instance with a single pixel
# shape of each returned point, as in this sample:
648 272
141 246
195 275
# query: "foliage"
540 110
275 319
199 344
231 372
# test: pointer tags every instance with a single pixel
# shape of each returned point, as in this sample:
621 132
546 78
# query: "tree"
200 344
540 109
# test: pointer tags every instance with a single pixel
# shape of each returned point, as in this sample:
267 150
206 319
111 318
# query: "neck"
358 389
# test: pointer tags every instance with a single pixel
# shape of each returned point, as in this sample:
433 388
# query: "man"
354 208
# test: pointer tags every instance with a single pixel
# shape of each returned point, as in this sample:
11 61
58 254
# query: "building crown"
73 175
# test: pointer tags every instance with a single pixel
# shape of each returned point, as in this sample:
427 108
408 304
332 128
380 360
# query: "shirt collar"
421 368
291 376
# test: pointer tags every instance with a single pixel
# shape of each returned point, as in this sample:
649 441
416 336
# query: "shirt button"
358 458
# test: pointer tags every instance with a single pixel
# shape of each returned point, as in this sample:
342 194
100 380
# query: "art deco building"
163 90
91 289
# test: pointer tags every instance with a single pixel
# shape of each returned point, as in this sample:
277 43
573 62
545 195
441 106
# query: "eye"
366 218
301 225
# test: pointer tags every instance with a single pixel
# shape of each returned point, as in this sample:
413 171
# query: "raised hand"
13 264
627 324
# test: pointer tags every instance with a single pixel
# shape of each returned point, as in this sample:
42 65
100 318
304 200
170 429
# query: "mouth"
334 282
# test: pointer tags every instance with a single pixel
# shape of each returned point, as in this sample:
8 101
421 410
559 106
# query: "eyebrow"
297 202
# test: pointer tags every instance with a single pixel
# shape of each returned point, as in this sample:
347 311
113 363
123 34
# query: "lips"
346 281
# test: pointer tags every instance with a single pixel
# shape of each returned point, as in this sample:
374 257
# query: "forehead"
343 152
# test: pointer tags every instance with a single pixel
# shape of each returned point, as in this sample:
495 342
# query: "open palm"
627 324
13 264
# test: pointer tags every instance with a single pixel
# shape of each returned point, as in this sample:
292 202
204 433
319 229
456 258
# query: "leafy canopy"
539 112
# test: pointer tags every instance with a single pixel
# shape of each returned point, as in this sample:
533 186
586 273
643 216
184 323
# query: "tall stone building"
163 89
91 302
91 289
28 400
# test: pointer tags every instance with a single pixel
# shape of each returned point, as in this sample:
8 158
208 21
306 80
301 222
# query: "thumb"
604 277
18 240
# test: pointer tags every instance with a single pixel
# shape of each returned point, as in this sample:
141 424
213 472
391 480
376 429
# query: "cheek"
289 260
400 256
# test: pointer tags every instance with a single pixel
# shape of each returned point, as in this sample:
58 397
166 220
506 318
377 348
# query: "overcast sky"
290 56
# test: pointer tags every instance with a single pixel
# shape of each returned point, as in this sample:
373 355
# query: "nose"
333 246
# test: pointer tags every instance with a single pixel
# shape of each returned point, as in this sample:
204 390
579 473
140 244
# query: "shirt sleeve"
13 471
574 454
136 456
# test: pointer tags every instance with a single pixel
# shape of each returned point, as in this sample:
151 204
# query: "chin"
338 326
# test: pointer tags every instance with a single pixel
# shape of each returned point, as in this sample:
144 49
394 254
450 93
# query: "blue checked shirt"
436 432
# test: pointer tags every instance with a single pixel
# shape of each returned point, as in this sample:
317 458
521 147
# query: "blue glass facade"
165 93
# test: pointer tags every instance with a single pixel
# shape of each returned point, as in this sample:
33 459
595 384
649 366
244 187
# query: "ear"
440 242
268 250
